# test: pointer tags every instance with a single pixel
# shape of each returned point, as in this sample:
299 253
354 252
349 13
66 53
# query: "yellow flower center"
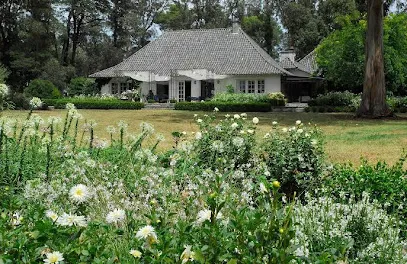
53 259
79 192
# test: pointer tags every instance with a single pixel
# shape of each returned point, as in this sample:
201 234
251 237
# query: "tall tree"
373 102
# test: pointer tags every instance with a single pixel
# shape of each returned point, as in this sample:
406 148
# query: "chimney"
289 53
235 25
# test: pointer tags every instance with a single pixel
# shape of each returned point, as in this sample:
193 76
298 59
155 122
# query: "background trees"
58 40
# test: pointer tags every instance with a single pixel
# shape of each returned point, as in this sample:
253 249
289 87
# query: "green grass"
347 138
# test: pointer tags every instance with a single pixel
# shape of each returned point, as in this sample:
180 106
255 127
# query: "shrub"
336 99
93 103
223 106
347 232
82 85
274 99
43 89
19 101
294 156
384 183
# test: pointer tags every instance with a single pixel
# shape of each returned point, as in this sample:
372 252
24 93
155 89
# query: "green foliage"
43 89
294 156
274 99
334 99
4 73
94 103
82 85
224 106
341 55
384 183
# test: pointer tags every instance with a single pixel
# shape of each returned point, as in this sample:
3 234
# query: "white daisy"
116 216
135 253
51 214
54 257
203 215
255 120
79 193
146 232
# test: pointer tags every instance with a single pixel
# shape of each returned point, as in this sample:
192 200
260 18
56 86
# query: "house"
195 64
303 82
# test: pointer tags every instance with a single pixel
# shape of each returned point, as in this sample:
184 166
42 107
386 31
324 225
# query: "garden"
229 191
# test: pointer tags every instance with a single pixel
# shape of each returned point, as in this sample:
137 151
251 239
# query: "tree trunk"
374 91
65 48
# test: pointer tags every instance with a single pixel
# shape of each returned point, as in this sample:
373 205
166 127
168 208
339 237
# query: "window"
115 88
181 91
251 86
123 87
242 86
260 86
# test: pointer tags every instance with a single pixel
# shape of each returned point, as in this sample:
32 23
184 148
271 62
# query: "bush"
43 89
19 101
359 232
336 99
294 156
94 103
82 85
386 184
274 99
223 106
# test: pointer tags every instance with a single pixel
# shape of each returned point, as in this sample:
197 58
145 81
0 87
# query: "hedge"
223 107
94 103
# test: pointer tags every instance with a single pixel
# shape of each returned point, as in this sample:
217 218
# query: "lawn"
347 138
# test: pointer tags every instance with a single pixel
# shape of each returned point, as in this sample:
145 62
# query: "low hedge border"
93 103
223 107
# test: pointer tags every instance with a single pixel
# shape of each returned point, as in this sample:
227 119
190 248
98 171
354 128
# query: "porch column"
195 88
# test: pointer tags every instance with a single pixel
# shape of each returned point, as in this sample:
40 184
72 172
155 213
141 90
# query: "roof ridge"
261 53
194 29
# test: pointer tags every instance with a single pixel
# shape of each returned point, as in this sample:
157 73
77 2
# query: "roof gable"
218 50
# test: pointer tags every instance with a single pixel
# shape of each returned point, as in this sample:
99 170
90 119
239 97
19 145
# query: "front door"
181 91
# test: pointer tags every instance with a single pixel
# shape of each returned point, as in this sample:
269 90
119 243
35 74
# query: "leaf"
232 261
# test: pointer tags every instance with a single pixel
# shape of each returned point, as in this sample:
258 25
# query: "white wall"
272 82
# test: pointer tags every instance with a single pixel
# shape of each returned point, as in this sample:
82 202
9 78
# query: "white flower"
216 109
70 106
227 115
199 120
255 120
238 141
299 131
122 125
234 125
71 220
35 102
51 214
135 253
187 254
54 257
274 123
79 193
116 216
236 116
198 135
243 115
267 135
203 215
314 142
284 130
146 232
111 129
250 131
298 122
3 90
263 188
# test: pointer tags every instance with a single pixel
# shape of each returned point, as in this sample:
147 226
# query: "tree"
373 102
341 55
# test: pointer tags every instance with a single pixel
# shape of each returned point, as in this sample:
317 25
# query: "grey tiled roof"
217 50
289 64
309 61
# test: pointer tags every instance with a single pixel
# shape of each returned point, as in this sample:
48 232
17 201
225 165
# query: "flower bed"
223 194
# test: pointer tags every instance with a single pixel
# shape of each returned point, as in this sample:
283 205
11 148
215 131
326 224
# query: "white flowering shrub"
229 142
351 232
294 156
